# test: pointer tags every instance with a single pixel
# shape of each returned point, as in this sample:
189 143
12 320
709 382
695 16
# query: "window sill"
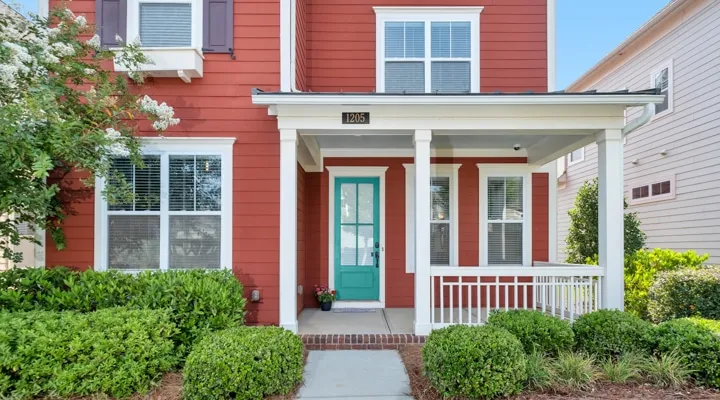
171 62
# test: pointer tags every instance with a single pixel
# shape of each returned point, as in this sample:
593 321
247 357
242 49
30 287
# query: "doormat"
353 310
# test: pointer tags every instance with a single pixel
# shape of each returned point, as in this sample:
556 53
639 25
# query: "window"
659 189
662 78
428 50
178 216
576 156
442 218
505 215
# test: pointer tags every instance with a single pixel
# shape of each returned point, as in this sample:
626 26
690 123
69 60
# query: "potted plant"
325 296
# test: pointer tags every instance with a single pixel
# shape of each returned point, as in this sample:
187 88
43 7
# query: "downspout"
644 118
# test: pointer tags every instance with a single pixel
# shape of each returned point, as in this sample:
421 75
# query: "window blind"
404 40
134 241
166 24
505 220
144 184
194 241
450 76
408 77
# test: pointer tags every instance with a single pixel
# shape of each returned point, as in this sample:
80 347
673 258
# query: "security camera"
517 147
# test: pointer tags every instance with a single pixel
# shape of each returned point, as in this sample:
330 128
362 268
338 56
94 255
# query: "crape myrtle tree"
582 239
62 111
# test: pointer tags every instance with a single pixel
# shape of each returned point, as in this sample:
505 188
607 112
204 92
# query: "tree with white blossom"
63 111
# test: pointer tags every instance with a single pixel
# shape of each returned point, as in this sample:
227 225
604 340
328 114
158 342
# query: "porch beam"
422 140
288 229
611 217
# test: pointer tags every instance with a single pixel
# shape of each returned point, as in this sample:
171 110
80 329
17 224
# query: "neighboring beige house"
672 164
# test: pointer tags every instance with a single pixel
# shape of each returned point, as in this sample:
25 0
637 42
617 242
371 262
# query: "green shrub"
479 361
574 371
244 363
200 301
535 330
685 293
641 269
114 351
698 342
610 333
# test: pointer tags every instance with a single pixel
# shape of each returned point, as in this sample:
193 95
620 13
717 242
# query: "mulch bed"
422 390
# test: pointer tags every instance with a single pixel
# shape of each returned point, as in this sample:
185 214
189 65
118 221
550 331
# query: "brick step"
377 341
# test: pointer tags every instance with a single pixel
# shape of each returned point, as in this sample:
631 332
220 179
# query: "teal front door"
357 238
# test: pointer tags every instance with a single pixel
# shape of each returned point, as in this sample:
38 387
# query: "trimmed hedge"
474 361
114 351
244 363
536 331
611 333
698 342
685 293
199 301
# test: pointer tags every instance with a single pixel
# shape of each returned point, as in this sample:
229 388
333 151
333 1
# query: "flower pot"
326 306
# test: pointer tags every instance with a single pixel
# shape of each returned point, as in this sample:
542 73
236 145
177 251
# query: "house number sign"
356 118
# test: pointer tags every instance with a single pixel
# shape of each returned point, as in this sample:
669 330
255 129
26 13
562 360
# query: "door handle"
377 254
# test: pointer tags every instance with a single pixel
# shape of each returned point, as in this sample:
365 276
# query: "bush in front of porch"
536 331
611 333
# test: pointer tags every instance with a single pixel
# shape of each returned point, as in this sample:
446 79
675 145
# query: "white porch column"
611 216
422 232
288 229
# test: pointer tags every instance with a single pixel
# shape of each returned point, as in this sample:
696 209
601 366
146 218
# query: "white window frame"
581 159
649 183
428 15
165 147
436 171
506 171
133 22
669 65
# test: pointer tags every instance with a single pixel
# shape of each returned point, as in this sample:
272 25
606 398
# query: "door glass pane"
348 198
348 245
365 203
366 243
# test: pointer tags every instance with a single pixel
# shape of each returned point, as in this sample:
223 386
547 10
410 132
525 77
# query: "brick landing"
378 341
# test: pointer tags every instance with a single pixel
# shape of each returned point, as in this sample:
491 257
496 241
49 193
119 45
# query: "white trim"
670 91
428 15
571 162
506 170
341 172
436 170
287 274
164 147
480 99
387 152
43 11
649 182
551 45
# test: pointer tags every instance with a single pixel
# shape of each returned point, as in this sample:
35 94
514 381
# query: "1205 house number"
356 118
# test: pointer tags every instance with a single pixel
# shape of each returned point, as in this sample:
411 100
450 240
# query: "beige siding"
690 134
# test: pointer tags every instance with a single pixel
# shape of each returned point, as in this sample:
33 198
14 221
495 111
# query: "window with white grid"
175 216
428 52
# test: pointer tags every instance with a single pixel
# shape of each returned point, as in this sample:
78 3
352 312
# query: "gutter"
644 118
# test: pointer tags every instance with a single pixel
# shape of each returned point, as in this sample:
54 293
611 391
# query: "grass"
669 370
574 371
539 372
625 369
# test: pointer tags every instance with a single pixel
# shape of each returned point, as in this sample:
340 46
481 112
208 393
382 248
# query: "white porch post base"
422 232
288 230
611 217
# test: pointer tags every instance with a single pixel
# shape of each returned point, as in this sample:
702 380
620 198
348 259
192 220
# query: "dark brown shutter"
218 26
111 20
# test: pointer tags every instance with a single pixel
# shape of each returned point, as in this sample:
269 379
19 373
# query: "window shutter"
111 21
218 26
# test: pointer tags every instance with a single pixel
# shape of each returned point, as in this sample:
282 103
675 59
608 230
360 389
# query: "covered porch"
512 140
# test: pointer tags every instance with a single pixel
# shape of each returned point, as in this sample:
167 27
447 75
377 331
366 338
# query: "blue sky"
586 30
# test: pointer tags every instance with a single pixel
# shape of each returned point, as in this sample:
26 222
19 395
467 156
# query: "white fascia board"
428 10
344 99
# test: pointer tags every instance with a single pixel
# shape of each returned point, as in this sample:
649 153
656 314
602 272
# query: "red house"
395 150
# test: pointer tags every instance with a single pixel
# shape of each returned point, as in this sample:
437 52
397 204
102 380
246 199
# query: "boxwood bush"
199 301
478 361
611 333
698 342
243 363
114 351
685 293
536 331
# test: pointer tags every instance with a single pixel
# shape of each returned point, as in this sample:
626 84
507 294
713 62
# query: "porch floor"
312 321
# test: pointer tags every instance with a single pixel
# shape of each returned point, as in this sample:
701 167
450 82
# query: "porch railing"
467 295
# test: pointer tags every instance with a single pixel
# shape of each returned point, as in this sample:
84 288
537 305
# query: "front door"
357 238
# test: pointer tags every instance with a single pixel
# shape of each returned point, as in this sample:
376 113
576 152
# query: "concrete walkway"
355 375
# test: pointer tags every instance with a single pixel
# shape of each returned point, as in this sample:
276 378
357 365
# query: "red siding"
540 217
341 43
301 44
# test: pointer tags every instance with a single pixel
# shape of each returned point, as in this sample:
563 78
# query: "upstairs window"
576 156
662 78
428 49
